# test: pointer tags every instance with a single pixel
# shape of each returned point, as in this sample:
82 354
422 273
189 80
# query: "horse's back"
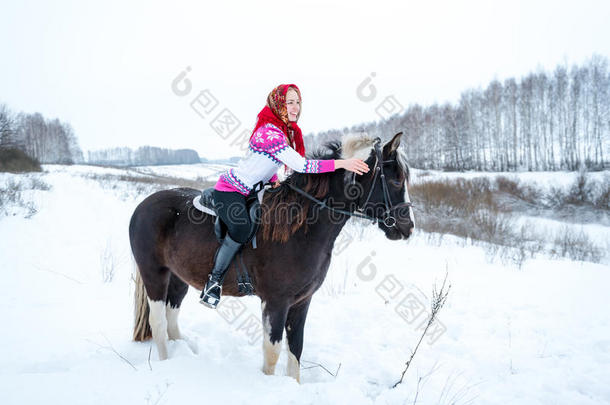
156 215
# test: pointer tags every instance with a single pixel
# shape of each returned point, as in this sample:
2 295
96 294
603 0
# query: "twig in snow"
510 348
438 301
109 347
59 274
460 393
417 390
160 394
149 352
423 380
319 365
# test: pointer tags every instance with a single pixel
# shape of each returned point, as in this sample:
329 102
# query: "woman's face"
293 104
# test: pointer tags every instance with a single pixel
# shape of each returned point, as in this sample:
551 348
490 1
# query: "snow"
597 233
539 334
540 180
192 172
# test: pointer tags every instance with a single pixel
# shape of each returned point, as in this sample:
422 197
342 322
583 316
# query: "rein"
324 205
388 220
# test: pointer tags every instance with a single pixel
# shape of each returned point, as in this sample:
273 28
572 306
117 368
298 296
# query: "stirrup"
208 300
245 287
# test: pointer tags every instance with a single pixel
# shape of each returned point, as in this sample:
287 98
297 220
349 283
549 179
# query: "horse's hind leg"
175 294
158 324
156 283
274 318
295 324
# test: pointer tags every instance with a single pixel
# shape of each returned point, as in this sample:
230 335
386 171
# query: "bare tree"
543 121
7 126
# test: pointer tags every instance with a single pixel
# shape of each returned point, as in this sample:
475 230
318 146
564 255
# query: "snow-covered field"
539 334
541 180
203 170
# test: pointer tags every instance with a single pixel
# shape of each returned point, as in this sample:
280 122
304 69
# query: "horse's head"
381 193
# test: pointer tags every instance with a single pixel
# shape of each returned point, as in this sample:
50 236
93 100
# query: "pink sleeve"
326 166
273 178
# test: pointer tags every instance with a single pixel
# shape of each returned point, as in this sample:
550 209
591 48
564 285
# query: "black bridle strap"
324 205
378 168
388 219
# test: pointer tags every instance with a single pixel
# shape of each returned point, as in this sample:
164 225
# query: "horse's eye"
396 183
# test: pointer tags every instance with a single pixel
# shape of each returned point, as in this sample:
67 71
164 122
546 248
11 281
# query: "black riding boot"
210 296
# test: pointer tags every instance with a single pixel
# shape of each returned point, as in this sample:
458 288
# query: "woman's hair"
277 102
276 113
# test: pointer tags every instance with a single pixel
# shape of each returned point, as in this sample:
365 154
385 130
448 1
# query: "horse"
300 222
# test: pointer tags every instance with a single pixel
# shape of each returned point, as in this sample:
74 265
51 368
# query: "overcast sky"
107 67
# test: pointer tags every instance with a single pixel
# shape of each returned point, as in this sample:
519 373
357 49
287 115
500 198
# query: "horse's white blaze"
173 331
271 351
407 199
158 324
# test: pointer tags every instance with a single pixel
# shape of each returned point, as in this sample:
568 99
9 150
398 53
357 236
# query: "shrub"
576 246
601 200
15 160
470 209
10 194
581 191
514 188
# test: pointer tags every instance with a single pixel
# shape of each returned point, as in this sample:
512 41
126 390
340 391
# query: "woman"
276 140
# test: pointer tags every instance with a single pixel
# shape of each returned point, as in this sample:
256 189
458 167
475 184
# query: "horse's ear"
393 144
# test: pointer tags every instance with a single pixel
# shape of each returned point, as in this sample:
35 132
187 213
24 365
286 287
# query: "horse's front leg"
274 318
295 324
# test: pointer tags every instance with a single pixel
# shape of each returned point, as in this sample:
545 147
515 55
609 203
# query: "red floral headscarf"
276 113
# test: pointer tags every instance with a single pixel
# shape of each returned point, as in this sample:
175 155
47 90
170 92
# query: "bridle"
388 220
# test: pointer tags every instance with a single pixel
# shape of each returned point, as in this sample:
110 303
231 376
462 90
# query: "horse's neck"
327 224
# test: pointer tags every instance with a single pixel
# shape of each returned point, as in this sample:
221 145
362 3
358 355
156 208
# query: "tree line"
53 141
46 140
556 120
144 155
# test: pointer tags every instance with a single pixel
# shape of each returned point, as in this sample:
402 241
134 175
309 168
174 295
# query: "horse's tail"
141 328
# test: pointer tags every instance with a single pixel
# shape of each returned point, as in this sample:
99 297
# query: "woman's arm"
353 165
272 142
298 163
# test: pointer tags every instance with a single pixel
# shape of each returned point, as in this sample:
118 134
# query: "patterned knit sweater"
268 151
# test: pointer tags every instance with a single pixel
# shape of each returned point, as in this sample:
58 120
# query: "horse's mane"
284 210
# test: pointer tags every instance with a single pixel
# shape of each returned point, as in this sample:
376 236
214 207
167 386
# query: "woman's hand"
276 184
353 165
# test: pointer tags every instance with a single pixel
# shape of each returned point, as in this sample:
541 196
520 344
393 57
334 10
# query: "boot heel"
210 296
213 302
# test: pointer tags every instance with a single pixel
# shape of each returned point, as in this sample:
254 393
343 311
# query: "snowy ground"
206 171
535 335
542 180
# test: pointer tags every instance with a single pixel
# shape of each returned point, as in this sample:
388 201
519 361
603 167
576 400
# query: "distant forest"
556 120
47 141
144 155
543 121
53 141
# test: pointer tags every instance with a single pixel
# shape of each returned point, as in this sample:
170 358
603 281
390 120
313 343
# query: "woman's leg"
231 208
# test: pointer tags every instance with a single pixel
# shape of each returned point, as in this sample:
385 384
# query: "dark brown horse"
294 244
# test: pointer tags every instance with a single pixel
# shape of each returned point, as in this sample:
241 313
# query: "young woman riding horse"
173 243
276 140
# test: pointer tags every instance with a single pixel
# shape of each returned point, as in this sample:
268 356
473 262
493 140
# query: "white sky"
107 66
